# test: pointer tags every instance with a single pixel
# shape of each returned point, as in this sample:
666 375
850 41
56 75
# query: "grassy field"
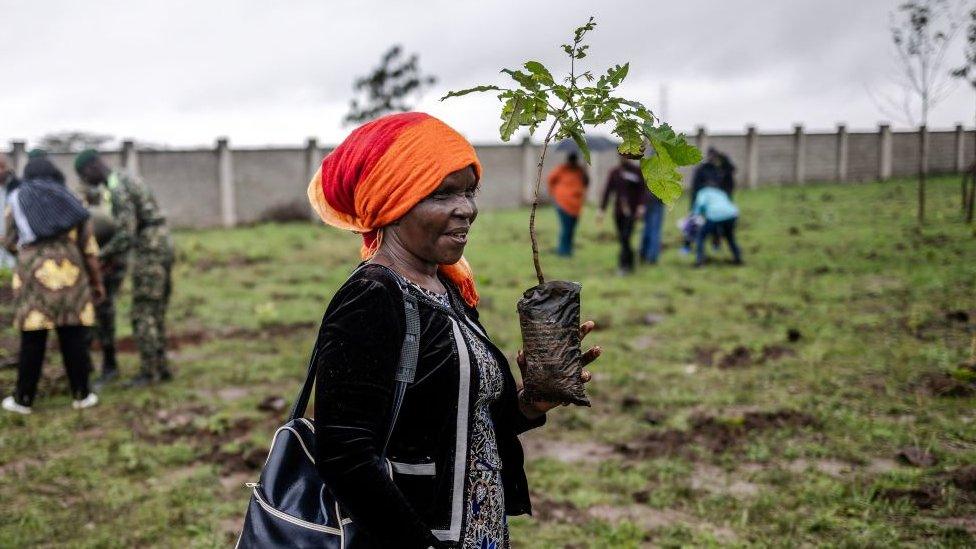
759 405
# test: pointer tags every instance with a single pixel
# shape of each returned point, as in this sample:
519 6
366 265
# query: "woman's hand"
537 408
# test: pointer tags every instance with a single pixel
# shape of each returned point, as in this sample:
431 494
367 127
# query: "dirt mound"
944 385
223 441
965 478
925 497
716 434
775 352
739 357
918 457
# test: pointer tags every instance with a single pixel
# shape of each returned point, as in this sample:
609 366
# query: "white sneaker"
10 405
87 402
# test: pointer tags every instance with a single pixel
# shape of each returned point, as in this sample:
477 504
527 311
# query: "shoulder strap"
406 369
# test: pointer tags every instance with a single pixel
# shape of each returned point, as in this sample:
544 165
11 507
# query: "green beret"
36 153
84 158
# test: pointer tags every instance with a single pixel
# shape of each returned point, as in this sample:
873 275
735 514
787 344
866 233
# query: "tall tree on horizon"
967 72
388 87
922 31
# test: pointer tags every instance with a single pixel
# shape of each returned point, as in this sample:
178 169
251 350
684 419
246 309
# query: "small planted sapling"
549 311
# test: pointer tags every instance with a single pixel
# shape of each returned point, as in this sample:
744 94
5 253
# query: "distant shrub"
287 213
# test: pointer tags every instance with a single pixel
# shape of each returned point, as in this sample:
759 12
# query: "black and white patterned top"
485 522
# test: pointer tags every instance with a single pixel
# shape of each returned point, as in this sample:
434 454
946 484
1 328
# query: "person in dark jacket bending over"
407 182
626 185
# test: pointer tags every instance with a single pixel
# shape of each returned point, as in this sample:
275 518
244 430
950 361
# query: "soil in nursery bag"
550 317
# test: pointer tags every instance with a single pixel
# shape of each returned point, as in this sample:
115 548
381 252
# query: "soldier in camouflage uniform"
99 202
140 231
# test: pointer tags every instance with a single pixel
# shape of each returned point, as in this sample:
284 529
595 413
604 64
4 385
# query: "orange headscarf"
382 170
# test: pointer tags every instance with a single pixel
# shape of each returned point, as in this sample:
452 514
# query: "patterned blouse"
485 523
50 282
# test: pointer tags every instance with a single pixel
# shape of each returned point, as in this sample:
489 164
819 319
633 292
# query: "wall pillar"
530 168
799 154
225 178
841 152
313 161
701 139
130 157
313 158
18 155
752 157
884 152
960 148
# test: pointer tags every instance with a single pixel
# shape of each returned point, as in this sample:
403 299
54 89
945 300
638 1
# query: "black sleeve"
610 188
520 423
359 349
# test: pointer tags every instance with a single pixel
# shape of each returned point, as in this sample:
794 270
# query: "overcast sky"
181 73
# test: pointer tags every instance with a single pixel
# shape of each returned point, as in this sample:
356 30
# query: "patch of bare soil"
225 394
715 434
233 261
566 451
942 384
915 456
964 478
740 356
714 480
830 467
925 497
273 403
225 443
198 337
644 517
952 325
641 343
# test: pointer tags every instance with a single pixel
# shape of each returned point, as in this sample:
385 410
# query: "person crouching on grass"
713 204
407 182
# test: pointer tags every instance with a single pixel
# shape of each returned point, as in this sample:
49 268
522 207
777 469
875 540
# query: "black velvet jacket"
415 497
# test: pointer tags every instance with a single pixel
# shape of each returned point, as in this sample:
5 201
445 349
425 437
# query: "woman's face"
436 229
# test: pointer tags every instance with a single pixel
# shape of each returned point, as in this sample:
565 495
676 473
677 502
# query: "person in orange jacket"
567 187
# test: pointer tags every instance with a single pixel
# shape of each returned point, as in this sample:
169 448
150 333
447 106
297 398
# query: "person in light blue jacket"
720 215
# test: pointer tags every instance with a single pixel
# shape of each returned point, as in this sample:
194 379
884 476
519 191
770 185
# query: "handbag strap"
406 367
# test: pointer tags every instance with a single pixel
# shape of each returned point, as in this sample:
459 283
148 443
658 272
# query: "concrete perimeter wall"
226 187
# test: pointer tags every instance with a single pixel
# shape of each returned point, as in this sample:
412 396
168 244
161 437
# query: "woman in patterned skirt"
451 471
56 282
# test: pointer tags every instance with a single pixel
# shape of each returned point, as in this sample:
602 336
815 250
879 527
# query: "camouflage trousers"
105 311
151 288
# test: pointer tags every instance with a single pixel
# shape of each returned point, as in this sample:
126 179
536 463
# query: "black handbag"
290 505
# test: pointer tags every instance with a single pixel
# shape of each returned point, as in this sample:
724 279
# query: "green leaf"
459 93
661 174
540 72
511 116
617 74
628 131
679 150
580 140
562 92
525 80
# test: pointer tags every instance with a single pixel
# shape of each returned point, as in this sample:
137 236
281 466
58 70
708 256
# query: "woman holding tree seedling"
450 469
417 413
